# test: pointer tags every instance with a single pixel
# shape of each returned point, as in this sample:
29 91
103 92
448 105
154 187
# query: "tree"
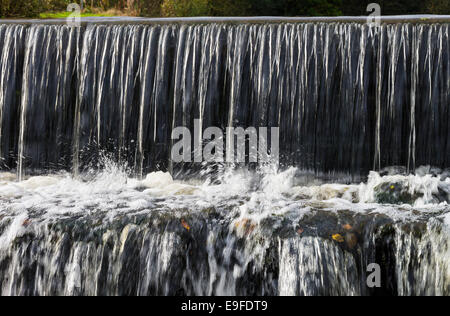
295 7
251 7
388 7
20 8
185 8
178 8
230 7
145 7
438 6
323 7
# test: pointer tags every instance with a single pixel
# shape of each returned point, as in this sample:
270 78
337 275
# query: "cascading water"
348 98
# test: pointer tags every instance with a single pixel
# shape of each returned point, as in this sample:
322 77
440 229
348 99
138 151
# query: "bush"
57 5
178 8
438 6
21 8
150 8
185 8
231 7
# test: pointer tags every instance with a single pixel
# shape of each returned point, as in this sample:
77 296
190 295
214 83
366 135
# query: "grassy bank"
62 15
87 13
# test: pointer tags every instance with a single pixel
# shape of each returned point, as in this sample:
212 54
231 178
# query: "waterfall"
92 204
11 60
346 96
152 254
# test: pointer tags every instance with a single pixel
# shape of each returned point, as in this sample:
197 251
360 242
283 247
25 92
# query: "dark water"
347 98
154 255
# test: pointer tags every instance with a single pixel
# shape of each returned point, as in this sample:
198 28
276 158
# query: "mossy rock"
395 193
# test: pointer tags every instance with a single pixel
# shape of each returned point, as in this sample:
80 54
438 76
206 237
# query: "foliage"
20 8
146 7
65 14
176 8
438 6
180 8
296 7
231 7
388 7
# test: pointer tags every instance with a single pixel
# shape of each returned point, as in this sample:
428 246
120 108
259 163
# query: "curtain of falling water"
11 56
46 108
347 97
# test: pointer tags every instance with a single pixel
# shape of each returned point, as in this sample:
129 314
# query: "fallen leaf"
338 238
347 227
26 223
185 225
245 225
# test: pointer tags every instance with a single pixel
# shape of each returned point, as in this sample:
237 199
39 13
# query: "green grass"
65 14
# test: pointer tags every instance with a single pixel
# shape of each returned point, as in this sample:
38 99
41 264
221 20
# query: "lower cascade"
248 233
91 202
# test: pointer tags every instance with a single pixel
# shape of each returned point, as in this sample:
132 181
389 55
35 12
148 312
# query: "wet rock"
155 254
445 174
428 170
395 193
351 240
401 193
443 194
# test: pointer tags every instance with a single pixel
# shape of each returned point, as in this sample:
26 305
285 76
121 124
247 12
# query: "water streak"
347 97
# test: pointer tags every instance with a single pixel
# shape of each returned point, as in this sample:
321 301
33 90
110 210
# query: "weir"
86 116
347 97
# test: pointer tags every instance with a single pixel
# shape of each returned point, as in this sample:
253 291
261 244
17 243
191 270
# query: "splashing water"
248 232
346 97
101 101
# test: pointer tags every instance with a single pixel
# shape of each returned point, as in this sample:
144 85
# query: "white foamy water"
257 208
259 193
